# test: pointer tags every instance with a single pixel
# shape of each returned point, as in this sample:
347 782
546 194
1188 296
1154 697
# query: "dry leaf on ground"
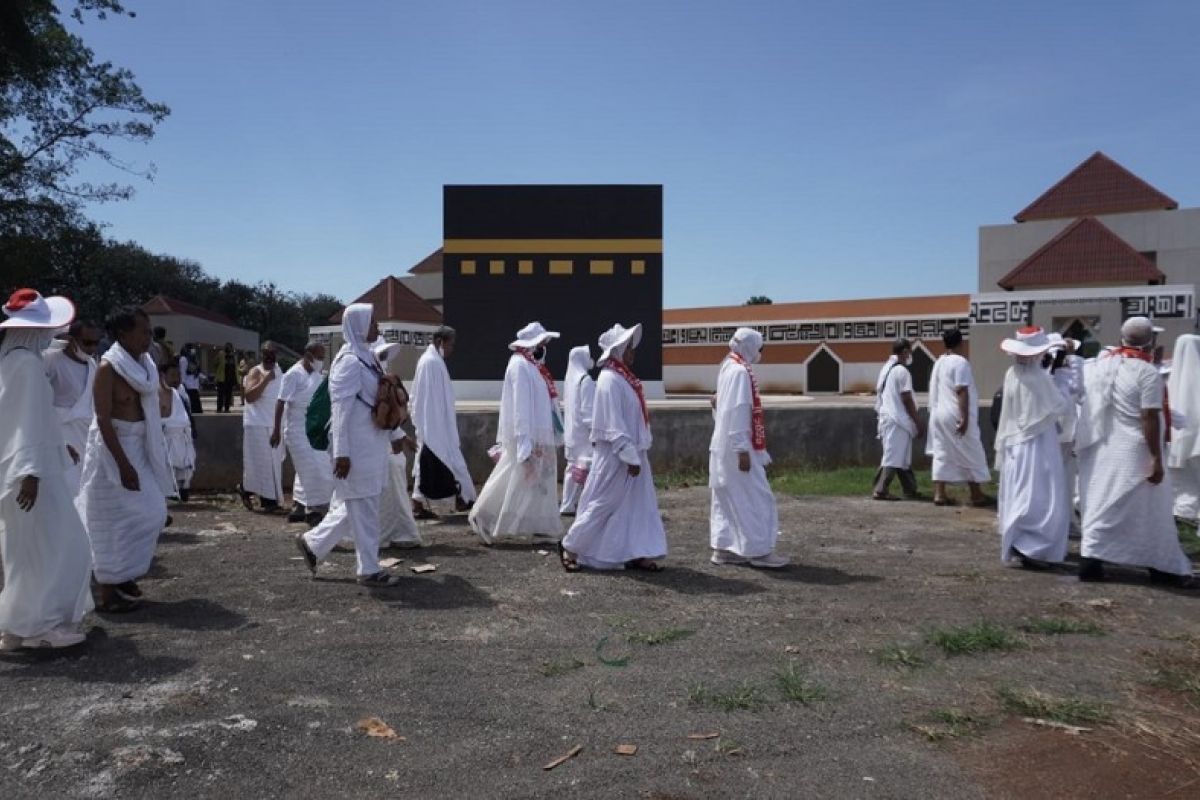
378 729
574 751
701 736
626 749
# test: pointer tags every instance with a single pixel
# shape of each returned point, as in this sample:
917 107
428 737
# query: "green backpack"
316 419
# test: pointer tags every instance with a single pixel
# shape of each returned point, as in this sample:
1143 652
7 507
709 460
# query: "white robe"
47 559
618 518
313 486
743 517
1033 504
181 448
72 383
1183 460
896 429
396 522
262 465
433 416
520 497
1126 519
956 458
579 396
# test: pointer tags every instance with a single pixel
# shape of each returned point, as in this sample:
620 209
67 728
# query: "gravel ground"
243 677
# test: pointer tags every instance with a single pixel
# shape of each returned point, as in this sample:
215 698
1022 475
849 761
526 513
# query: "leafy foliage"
759 300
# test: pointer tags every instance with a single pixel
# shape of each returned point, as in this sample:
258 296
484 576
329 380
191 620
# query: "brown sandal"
569 564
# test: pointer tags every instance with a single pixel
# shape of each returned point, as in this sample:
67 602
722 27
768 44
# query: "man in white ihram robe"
262 459
520 497
1125 494
1033 512
313 485
579 395
618 525
177 428
953 440
47 559
72 372
436 426
359 449
743 522
898 424
1183 457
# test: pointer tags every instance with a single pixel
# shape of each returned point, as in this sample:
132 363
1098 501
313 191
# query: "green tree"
759 300
59 108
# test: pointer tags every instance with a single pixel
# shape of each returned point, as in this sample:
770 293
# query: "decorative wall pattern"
1160 306
864 330
1000 312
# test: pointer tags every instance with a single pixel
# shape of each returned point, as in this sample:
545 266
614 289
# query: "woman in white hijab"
579 395
744 522
46 554
360 450
1183 456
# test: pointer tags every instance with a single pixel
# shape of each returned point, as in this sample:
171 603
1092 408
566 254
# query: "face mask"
318 366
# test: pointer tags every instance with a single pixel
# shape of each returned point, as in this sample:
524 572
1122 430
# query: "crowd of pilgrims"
92 452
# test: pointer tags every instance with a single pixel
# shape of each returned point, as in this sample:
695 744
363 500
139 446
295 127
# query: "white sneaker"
56 638
721 557
769 561
10 642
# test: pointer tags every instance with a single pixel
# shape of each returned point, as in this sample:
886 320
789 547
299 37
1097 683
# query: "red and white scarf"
542 368
1142 355
758 423
618 366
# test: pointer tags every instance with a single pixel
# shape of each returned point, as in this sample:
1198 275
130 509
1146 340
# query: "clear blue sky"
808 150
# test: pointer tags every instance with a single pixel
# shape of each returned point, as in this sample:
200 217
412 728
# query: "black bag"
437 481
997 402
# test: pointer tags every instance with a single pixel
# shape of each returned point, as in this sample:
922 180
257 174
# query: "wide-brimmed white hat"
385 351
531 336
1028 341
28 309
618 337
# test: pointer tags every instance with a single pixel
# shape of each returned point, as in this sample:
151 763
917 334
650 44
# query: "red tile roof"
395 302
1097 186
161 304
431 264
1084 253
951 305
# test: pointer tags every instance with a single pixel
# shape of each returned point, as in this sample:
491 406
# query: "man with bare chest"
126 474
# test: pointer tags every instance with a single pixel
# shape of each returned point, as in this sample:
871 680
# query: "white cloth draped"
313 487
262 465
956 458
1034 503
1183 459
433 416
142 376
1031 404
46 555
618 517
895 428
579 395
520 497
396 522
1126 519
73 383
181 448
744 519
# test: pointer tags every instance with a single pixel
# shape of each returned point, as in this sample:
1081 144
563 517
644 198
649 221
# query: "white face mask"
318 366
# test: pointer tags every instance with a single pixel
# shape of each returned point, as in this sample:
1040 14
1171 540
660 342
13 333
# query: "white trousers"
356 519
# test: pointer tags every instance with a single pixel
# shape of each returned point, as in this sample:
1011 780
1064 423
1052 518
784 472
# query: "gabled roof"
1084 253
395 302
1097 186
431 264
161 304
951 305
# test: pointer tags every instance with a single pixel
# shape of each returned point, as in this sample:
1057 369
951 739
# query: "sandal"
569 564
117 605
891 498
423 513
944 501
246 501
129 591
646 564
310 558
380 580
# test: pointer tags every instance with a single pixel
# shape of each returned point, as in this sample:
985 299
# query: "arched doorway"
920 368
823 373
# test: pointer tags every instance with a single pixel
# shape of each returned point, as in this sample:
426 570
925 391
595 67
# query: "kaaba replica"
575 258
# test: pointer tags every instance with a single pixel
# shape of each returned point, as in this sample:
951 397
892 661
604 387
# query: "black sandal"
117 605
310 558
569 564
380 580
645 564
246 501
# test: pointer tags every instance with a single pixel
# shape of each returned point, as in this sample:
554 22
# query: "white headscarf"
1032 403
747 343
34 340
356 321
1183 389
579 361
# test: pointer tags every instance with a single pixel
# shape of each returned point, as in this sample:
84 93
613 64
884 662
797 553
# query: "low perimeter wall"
820 437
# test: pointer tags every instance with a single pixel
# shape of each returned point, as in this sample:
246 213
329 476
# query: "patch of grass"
744 696
729 747
797 686
1059 626
847 482
680 479
899 656
950 723
625 621
664 636
552 669
1068 710
1189 540
1177 671
980 637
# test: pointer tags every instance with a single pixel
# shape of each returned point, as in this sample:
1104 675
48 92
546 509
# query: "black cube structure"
576 258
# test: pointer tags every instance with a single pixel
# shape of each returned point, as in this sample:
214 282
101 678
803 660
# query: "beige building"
208 329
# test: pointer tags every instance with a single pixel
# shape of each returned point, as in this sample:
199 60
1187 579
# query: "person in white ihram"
1125 493
1183 457
520 497
898 423
397 527
46 555
744 521
262 454
177 428
579 395
313 485
1033 506
360 451
953 439
439 469
72 372
618 525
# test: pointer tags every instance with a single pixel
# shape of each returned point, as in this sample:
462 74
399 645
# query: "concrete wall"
816 437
